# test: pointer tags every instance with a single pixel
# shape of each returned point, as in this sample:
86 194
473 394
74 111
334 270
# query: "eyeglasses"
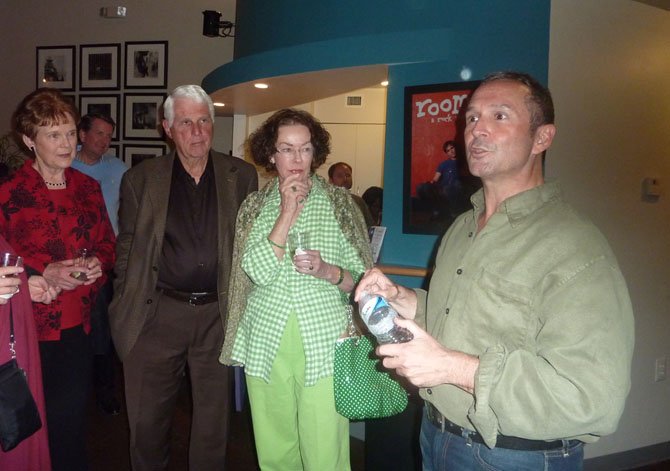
306 151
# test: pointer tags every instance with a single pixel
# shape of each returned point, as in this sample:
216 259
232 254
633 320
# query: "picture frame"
133 154
115 150
434 114
99 66
146 64
107 105
142 116
55 67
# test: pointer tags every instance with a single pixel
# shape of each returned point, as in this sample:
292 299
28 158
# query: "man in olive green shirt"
528 336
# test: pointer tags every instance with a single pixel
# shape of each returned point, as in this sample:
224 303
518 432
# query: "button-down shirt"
538 296
189 256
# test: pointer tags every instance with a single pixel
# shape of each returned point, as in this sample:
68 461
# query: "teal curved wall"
422 41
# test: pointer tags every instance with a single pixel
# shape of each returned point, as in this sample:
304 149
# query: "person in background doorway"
176 229
374 200
95 134
340 174
523 343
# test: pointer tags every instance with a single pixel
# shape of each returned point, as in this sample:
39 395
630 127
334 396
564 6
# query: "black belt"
502 441
194 299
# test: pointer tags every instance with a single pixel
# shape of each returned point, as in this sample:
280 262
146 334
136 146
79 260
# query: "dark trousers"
66 372
178 335
101 342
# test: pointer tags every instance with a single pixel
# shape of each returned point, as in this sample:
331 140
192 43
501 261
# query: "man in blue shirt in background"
95 135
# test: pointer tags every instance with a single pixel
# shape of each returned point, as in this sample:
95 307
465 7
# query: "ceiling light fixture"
219 104
212 23
261 85
385 83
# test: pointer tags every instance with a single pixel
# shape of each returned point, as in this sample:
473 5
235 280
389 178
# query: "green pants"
296 427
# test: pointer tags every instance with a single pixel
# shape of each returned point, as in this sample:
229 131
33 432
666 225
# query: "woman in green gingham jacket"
286 312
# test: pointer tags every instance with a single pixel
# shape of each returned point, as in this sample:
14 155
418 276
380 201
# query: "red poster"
433 116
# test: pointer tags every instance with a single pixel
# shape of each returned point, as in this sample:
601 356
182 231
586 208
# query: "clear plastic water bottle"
378 315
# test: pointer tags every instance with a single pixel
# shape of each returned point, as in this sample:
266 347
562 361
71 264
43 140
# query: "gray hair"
187 92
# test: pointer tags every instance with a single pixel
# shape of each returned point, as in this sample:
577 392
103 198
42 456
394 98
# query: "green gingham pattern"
361 390
279 290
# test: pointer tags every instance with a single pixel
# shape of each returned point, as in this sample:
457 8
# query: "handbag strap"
12 340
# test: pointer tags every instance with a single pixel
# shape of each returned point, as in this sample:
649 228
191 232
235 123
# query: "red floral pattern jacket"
45 227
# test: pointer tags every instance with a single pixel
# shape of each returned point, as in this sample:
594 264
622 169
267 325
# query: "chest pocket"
498 311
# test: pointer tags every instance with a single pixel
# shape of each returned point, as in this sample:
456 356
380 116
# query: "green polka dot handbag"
363 388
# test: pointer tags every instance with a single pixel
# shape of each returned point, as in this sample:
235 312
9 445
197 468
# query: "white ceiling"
290 90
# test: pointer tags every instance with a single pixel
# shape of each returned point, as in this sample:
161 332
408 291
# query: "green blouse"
277 290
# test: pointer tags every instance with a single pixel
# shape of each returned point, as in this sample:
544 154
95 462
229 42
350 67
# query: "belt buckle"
192 300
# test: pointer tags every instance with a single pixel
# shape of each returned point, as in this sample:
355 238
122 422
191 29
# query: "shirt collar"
521 205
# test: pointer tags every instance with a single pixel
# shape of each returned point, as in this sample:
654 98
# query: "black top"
190 246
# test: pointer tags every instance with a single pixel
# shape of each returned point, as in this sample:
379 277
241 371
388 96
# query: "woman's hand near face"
41 291
293 190
9 284
59 274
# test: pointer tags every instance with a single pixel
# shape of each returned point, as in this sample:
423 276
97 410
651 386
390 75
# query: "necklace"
55 185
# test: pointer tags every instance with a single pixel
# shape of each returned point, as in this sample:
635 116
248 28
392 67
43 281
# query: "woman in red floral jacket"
50 212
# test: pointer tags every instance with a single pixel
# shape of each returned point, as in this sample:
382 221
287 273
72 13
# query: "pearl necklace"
55 185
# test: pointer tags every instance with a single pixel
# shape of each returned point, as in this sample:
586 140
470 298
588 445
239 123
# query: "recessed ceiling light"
218 103
385 83
261 85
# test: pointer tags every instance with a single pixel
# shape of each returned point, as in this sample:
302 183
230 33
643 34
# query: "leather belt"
502 441
194 299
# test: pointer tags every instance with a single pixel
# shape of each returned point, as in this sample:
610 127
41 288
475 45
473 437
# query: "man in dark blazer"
176 229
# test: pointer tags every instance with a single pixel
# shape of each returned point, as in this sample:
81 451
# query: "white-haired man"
176 229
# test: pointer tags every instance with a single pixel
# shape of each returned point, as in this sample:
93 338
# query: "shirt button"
470 234
446 311
459 271
429 391
150 301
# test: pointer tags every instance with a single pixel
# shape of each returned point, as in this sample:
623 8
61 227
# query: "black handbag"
19 417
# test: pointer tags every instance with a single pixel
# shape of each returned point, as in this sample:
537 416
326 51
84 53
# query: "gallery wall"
27 24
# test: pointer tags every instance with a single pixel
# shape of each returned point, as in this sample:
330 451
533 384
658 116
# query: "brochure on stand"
376 239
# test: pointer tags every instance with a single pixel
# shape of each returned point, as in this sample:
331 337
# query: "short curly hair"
43 107
262 143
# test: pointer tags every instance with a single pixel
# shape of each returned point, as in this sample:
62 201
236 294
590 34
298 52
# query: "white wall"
608 72
26 24
357 134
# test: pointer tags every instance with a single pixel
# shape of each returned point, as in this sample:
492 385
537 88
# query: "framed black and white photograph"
146 64
114 149
55 67
133 154
142 116
106 105
99 66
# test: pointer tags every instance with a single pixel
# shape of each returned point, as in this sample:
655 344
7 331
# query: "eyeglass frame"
304 151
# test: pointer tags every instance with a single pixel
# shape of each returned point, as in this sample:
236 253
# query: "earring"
272 161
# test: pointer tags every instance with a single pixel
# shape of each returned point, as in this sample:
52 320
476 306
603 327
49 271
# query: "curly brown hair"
262 143
43 107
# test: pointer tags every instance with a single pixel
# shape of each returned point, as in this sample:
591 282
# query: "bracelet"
341 278
272 242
